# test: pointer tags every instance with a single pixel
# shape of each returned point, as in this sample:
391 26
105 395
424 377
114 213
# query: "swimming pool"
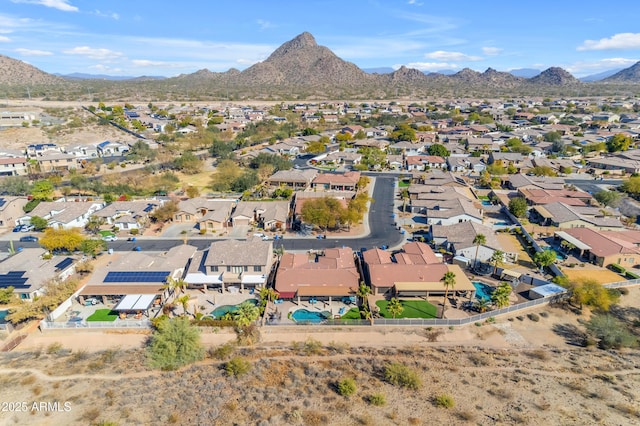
559 256
303 315
221 311
483 291
486 203
3 314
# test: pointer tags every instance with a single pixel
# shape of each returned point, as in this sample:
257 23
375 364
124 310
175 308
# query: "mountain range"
302 69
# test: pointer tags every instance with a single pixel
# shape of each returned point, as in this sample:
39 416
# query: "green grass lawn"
103 315
404 184
353 313
412 309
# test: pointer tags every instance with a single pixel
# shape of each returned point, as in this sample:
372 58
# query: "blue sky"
125 37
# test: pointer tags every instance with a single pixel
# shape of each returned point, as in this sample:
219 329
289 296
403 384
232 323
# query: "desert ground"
513 371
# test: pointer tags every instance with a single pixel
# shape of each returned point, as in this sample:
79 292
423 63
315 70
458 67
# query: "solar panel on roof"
146 209
13 279
2 202
136 277
66 262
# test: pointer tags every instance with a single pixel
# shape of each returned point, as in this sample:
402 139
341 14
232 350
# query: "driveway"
175 230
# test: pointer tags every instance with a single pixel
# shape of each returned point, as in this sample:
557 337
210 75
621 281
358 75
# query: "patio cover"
325 291
573 240
437 286
510 273
135 302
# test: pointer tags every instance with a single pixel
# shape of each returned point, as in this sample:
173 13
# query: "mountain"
599 76
83 76
525 72
378 70
627 75
17 73
554 76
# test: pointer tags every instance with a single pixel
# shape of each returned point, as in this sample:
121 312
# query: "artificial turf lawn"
412 309
103 315
351 314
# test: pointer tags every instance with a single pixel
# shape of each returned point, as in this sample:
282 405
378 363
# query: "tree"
439 150
619 142
42 190
404 132
184 301
607 198
552 136
61 239
362 292
478 240
325 212
94 223
39 223
92 246
518 206
246 313
165 212
500 296
174 344
497 258
449 281
192 191
188 163
394 307
15 185
140 151
544 258
591 293
316 147
611 333
6 295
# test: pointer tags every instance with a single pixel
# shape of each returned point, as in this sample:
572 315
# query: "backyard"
412 309
103 315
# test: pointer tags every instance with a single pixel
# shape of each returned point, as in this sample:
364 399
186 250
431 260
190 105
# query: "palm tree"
362 292
479 240
173 285
394 307
482 305
269 294
246 313
405 196
497 259
184 301
449 281
500 296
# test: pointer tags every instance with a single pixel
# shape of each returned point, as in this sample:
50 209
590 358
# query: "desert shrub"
54 348
377 399
533 317
237 367
623 291
174 344
221 352
347 387
400 375
444 401
610 332
544 314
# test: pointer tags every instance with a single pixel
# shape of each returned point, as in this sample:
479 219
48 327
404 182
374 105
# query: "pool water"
3 314
486 203
221 311
303 315
483 291
559 256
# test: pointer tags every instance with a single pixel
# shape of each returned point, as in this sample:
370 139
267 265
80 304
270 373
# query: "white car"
110 238
264 237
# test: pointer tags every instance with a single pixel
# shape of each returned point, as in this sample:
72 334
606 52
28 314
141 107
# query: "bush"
617 268
623 290
377 399
347 387
203 231
174 344
533 317
630 275
444 401
237 367
400 375
610 332
54 348
222 352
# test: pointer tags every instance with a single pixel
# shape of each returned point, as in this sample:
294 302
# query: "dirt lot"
516 371
603 276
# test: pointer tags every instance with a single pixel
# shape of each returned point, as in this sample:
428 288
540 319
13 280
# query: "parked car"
137 248
28 239
110 238
27 228
18 228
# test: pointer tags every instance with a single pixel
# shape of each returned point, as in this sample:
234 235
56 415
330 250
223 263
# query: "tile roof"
251 252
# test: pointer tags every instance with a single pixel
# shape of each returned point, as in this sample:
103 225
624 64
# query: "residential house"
346 158
295 179
449 212
604 248
55 161
112 149
14 166
437 178
381 144
28 272
425 162
564 216
231 265
347 181
11 209
519 181
270 215
536 196
64 214
209 214
37 149
324 276
83 151
458 238
128 215
395 162
408 148
138 276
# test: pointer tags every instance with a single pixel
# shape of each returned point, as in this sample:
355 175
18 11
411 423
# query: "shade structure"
135 302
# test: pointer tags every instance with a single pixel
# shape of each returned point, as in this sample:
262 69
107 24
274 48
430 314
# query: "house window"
187 217
246 269
257 268
237 269
214 269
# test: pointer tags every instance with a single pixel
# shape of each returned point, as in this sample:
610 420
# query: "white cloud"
62 5
4 39
617 41
414 2
451 56
111 15
264 25
586 68
93 53
105 69
429 66
146 63
33 52
491 51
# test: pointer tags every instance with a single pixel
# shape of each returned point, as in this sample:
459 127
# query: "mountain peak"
627 75
554 76
302 41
